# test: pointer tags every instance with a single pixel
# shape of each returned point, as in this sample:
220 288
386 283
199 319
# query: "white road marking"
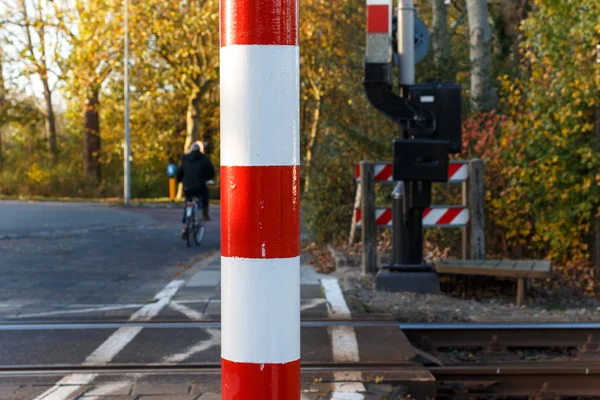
337 306
312 303
345 346
111 346
187 311
348 385
214 340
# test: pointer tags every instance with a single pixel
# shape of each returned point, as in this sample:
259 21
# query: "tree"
483 94
184 36
440 39
36 38
2 104
329 54
551 197
96 53
508 15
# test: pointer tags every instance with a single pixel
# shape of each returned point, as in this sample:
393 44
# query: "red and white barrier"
260 199
434 217
458 171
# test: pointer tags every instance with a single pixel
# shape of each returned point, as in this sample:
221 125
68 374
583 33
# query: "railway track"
569 365
552 380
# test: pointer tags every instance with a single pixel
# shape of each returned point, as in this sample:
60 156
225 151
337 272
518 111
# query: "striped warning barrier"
458 171
433 217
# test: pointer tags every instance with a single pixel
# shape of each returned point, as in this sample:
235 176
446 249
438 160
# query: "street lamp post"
126 149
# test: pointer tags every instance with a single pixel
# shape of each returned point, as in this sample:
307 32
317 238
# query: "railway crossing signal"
430 118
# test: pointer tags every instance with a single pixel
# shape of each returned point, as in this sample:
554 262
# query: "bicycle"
193 224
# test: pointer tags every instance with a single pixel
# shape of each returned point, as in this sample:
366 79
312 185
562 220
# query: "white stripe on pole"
260 320
260 99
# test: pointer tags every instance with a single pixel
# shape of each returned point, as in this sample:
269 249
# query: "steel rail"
541 379
587 368
419 328
534 378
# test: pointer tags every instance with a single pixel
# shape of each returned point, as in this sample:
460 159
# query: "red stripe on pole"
259 22
260 211
449 216
358 215
378 19
426 211
246 381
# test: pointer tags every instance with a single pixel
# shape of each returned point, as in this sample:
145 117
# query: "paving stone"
169 397
379 389
213 308
311 291
204 278
160 389
210 396
6 391
311 396
33 391
111 389
196 293
29 392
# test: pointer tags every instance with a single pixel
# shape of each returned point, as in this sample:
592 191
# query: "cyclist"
194 171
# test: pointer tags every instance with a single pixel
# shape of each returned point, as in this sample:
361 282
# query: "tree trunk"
483 94
50 121
312 143
511 14
440 39
192 126
2 102
91 138
192 120
596 244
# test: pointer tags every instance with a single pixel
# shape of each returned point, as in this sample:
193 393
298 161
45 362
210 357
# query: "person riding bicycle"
194 171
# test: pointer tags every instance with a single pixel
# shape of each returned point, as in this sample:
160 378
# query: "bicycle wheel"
198 233
189 231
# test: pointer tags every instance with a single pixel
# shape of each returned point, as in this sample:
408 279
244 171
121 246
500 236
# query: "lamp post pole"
126 148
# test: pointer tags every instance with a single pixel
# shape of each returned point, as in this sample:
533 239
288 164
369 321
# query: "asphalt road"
67 269
58 260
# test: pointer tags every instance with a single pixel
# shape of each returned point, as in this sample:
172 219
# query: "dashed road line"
348 385
312 303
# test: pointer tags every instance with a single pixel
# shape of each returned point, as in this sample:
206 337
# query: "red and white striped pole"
260 199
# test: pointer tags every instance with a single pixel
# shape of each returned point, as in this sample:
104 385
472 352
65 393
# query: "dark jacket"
194 171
